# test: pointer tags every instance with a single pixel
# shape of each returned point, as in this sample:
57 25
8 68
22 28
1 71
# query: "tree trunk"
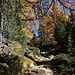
0 23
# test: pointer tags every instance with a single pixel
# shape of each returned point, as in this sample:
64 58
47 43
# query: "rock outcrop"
38 70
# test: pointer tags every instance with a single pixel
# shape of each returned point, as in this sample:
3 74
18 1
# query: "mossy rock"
18 63
22 61
32 52
25 62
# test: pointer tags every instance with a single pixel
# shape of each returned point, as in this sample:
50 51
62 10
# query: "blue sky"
45 7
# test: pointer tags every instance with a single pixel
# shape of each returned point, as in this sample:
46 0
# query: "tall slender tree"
66 58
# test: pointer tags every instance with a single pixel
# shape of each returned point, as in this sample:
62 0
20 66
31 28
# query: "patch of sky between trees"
45 6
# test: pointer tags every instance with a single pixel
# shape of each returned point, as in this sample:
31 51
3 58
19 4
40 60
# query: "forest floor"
44 66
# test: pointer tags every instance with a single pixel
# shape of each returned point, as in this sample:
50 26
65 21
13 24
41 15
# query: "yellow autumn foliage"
47 28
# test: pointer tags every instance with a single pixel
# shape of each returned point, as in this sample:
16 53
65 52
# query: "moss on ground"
17 62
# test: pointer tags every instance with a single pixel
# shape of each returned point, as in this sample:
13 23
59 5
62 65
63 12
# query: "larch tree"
47 29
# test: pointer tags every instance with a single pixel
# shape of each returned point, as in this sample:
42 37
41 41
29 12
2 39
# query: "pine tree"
60 34
66 59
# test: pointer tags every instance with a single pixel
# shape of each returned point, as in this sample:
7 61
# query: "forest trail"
44 64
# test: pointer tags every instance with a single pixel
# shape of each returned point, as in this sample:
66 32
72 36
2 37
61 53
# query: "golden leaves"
28 31
50 20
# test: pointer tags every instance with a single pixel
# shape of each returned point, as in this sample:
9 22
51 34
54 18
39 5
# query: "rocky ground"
38 70
42 67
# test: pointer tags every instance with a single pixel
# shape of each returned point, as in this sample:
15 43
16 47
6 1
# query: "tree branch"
65 5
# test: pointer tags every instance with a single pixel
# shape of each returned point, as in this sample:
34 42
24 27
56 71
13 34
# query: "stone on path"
39 70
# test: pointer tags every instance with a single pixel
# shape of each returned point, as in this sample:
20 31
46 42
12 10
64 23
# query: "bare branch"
65 5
